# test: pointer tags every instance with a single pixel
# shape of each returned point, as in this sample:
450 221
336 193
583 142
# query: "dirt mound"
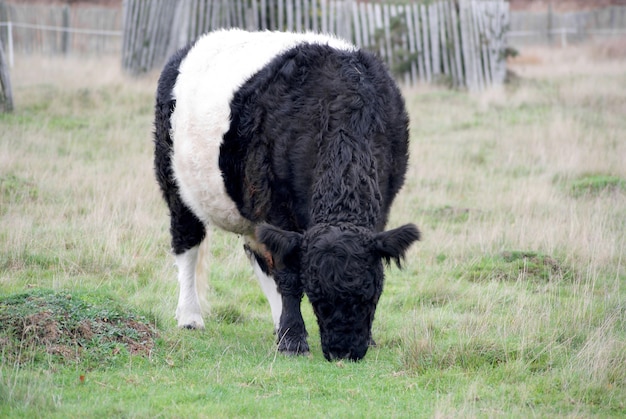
70 326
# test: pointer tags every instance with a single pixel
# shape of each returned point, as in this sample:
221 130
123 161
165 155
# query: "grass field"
512 305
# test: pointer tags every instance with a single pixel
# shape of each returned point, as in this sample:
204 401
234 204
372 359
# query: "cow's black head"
341 271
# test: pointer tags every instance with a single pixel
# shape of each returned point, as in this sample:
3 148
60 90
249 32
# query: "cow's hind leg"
187 233
186 229
188 312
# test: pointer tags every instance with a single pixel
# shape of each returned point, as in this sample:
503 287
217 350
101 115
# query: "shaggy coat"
298 142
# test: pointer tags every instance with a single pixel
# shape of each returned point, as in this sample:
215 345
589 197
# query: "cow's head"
341 270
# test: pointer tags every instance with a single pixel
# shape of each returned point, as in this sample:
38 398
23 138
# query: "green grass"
512 305
594 184
527 267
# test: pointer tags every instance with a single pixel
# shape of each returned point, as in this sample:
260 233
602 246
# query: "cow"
298 142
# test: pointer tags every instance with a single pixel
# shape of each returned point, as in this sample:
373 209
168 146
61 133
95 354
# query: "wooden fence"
460 42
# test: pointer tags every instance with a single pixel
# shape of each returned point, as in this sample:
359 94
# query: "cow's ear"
394 243
284 245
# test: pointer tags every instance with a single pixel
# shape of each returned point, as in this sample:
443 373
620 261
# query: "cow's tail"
202 271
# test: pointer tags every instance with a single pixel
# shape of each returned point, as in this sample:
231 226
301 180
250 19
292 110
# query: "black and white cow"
298 142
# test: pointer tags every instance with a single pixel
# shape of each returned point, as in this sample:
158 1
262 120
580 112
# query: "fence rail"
460 42
561 36
60 29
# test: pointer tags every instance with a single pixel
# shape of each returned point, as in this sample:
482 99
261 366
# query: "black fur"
186 230
263 263
392 244
317 150
284 245
320 119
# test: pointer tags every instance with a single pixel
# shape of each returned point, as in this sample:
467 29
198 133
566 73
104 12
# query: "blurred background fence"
459 42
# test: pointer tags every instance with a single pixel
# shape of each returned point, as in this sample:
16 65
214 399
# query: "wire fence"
56 29
6 92
532 28
60 30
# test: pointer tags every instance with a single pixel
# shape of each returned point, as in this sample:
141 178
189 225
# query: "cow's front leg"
292 333
291 330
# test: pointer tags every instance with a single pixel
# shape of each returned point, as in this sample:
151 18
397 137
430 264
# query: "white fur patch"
188 311
268 285
214 69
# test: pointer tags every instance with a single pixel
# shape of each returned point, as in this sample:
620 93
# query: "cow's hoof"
299 351
190 321
291 353
191 326
293 346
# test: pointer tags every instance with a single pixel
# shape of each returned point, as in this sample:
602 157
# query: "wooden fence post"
456 45
426 42
298 16
6 93
358 38
419 50
475 30
433 25
65 35
443 40
467 43
412 48
289 10
482 42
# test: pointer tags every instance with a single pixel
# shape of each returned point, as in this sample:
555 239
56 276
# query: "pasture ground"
513 304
